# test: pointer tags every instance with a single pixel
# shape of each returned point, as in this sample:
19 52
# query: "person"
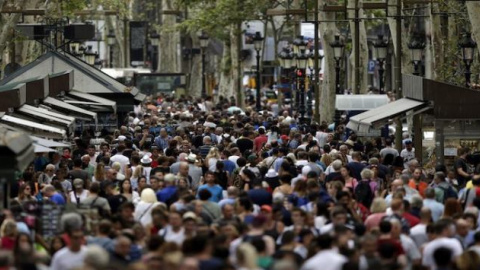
408 153
127 191
143 210
78 194
73 255
461 167
120 158
443 238
169 194
388 149
174 231
24 194
417 183
93 200
327 257
215 189
52 195
115 199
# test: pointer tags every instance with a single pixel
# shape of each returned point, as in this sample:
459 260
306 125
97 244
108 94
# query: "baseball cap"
266 208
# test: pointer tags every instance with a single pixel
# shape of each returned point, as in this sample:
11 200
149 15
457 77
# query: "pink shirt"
373 220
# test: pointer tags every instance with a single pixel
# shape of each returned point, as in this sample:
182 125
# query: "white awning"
63 105
140 97
95 99
380 115
29 124
360 102
48 143
50 116
42 149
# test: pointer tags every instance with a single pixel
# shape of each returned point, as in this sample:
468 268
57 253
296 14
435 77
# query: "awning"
360 102
29 125
65 106
140 97
378 116
49 116
48 143
42 149
94 99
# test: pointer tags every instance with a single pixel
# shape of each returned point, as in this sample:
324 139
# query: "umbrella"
42 149
233 109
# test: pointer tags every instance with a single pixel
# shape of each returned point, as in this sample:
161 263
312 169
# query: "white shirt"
411 250
407 156
170 236
451 243
81 196
65 259
143 212
325 260
123 160
418 233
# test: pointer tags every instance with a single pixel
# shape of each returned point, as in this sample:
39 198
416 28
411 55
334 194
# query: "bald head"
397 183
425 214
122 245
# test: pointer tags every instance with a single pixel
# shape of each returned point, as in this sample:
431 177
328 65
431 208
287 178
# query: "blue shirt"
229 166
165 194
436 208
58 199
216 191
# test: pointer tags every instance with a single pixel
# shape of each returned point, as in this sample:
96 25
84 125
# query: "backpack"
237 179
448 193
363 193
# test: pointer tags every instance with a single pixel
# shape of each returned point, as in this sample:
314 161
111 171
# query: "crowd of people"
193 185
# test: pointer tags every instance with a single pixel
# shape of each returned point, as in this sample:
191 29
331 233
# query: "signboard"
155 83
371 66
138 41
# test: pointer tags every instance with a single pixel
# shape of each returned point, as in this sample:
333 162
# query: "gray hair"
405 178
366 174
71 221
440 176
96 257
337 165
416 201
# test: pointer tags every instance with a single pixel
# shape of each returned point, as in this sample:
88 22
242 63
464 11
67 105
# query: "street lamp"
90 56
381 47
74 48
111 40
337 46
98 63
257 44
313 79
416 47
203 44
468 46
302 64
155 39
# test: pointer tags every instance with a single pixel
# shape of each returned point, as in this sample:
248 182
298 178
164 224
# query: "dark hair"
155 242
204 194
241 162
94 187
77 162
121 186
442 256
52 252
385 226
324 241
246 203
195 245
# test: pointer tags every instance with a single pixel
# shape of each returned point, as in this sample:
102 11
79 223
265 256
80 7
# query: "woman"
333 188
453 209
127 191
142 184
322 215
78 194
378 211
346 173
24 253
221 176
143 210
99 173
299 194
8 234
24 194
211 160
56 244
172 150
136 174
285 187
273 227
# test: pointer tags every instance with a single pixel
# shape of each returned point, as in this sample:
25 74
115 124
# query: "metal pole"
204 89
468 74
337 76
258 105
380 74
356 89
125 42
311 90
416 71
297 91
316 69
398 71
302 96
111 56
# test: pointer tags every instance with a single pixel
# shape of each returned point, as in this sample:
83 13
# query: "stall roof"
95 99
29 124
42 149
60 104
362 122
48 143
50 116
360 102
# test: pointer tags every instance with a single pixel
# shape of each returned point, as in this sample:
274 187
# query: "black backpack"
363 193
448 193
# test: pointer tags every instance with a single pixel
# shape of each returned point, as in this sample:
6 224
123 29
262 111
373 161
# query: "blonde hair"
9 228
213 153
247 256
326 159
148 196
138 172
99 172
379 205
117 166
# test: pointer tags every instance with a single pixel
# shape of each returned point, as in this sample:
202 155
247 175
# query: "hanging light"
257 41
311 60
468 46
155 38
338 47
74 47
111 38
90 56
416 47
381 47
98 63
302 60
204 39
286 58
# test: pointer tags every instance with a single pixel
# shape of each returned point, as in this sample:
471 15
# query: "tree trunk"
362 81
327 92
170 38
406 67
226 84
473 9
438 43
195 87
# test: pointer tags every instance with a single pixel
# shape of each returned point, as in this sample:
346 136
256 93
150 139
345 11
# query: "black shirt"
244 144
115 201
461 164
260 196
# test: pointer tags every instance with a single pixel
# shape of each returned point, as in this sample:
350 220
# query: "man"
215 189
182 157
120 158
260 140
443 189
209 208
244 143
339 216
409 192
232 195
408 153
55 197
417 183
344 156
327 258
396 184
174 231
335 175
183 173
258 195
120 255
194 171
412 252
48 175
205 148
87 166
431 203
102 238
168 195
388 149
95 201
463 233
461 167
104 152
78 172
115 199
71 256
443 238
356 166
162 140
418 233
229 165
312 163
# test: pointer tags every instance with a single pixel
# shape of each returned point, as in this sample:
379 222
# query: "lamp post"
313 79
203 45
302 62
111 40
468 46
286 62
257 44
155 40
381 47
416 47
338 47
90 56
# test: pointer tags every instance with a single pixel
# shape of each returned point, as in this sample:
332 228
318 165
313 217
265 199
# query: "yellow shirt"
469 185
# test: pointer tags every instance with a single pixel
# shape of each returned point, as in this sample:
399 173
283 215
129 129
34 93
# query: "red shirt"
396 244
259 141
8 243
412 220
